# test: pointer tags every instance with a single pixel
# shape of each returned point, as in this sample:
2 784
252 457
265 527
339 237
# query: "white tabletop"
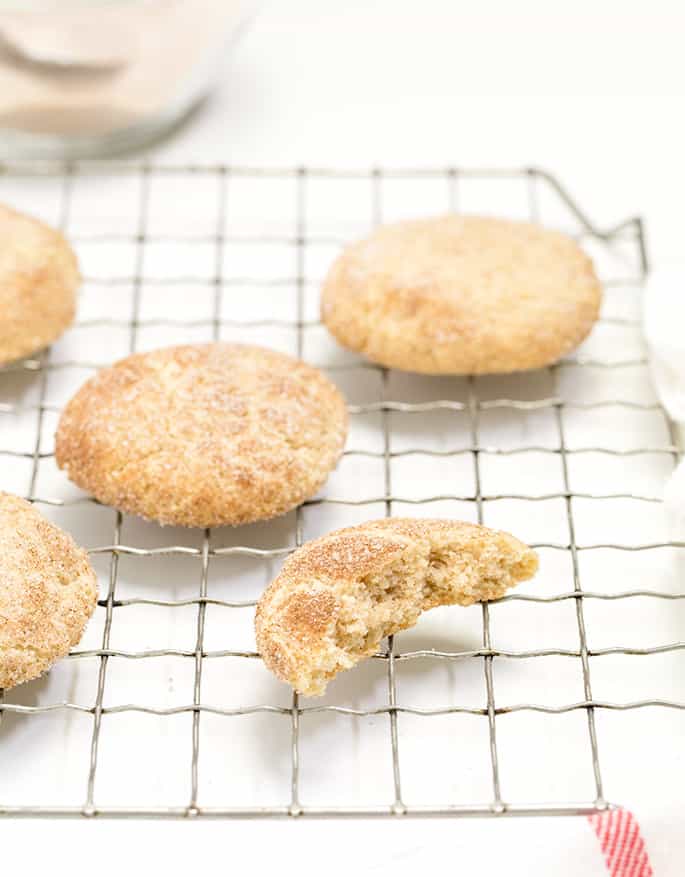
592 95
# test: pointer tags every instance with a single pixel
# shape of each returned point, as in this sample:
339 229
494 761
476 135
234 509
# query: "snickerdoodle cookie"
203 435
338 596
47 592
462 295
38 281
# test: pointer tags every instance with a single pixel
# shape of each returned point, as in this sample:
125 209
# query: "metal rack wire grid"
219 252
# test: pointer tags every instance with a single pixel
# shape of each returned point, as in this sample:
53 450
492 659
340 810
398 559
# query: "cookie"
203 435
462 295
337 597
38 281
47 592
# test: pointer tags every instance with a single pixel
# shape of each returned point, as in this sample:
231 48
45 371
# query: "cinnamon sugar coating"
38 282
337 597
462 295
47 592
203 435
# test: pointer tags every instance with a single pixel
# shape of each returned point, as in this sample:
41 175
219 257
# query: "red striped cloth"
624 849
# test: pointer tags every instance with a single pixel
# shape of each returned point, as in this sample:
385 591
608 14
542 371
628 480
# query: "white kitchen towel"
664 329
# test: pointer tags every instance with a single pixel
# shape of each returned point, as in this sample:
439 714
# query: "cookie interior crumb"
311 628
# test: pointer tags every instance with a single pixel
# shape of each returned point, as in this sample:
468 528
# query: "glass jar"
87 78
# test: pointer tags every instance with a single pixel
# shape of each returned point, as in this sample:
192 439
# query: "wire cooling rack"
165 709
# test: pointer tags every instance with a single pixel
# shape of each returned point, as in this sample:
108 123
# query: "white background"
592 91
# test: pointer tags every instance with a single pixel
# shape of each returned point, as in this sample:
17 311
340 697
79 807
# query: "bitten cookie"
462 295
203 435
47 592
38 281
337 597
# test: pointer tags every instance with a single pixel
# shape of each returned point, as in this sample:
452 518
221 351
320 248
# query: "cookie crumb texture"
39 278
203 435
47 592
337 597
462 295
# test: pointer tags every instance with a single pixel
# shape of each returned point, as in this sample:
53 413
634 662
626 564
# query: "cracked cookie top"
47 592
203 435
38 281
462 295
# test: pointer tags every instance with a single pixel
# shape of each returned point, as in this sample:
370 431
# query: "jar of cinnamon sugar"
89 78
